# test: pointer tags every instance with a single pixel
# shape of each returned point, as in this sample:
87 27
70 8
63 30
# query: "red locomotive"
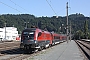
35 38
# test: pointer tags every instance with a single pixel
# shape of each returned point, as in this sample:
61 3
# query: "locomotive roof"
30 29
34 29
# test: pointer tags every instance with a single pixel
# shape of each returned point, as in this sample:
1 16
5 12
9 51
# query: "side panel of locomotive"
35 38
44 39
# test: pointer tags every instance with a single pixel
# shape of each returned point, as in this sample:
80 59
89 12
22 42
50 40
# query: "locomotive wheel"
41 48
25 51
47 46
52 44
36 50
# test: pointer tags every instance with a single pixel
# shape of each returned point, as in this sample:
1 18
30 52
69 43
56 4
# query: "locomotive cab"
28 39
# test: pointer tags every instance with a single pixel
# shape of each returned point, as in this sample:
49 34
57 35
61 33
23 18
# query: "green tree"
50 23
79 35
86 29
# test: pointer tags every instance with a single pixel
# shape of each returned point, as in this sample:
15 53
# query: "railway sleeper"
84 49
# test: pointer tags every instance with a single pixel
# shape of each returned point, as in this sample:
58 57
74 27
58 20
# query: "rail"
85 47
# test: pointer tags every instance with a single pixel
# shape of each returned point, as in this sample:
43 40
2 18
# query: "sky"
48 8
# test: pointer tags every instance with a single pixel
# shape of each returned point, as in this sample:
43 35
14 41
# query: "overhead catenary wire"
51 7
10 7
19 6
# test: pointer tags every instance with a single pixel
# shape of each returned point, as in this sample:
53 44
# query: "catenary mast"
67 20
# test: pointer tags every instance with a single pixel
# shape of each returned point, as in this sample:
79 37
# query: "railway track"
16 54
84 47
9 45
11 51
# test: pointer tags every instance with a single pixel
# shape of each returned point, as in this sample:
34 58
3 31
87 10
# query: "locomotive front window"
28 35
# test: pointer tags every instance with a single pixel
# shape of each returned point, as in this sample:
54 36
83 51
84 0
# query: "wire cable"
10 7
51 7
18 5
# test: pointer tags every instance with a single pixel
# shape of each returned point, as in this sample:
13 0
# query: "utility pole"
70 30
26 25
5 31
67 20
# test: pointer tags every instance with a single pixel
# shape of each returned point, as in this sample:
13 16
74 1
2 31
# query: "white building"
8 33
1 34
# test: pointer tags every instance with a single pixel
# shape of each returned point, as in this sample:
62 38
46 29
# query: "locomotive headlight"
35 41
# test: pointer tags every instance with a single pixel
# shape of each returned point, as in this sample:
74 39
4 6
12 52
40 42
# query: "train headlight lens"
35 41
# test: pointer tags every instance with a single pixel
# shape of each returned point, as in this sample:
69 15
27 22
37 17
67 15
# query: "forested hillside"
50 23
